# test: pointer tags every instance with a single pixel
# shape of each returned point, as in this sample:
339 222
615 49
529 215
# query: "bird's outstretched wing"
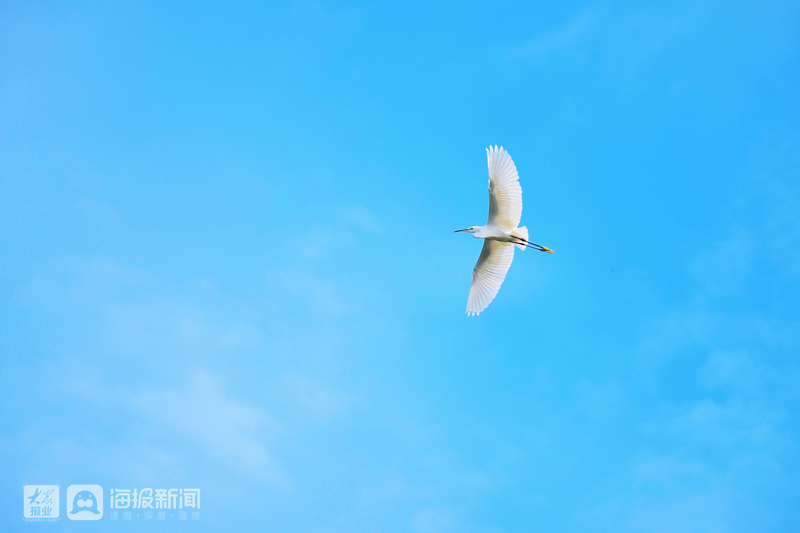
488 274
505 194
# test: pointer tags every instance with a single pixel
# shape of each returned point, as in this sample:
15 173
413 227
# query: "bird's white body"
495 233
500 234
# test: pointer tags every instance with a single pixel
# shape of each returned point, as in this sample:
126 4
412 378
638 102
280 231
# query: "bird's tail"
523 233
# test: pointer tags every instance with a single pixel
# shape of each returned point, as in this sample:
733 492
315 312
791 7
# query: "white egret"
500 233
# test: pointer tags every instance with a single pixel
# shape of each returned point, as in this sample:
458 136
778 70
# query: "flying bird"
500 234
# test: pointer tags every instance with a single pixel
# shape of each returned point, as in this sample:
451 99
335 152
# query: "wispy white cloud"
721 376
153 433
360 218
173 396
670 335
734 371
775 162
347 225
702 511
117 309
433 521
317 398
315 295
224 429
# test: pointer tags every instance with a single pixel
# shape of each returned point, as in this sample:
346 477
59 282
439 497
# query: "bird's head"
472 229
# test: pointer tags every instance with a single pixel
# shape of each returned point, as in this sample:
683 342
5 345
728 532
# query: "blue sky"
227 262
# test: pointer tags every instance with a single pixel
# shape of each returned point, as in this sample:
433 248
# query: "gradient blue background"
227 262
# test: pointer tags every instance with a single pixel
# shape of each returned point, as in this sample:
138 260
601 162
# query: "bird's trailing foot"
533 245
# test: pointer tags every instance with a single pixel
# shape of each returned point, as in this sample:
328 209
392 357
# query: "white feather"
488 274
505 193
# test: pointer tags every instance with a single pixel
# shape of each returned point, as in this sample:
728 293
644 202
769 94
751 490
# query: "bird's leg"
526 245
533 245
